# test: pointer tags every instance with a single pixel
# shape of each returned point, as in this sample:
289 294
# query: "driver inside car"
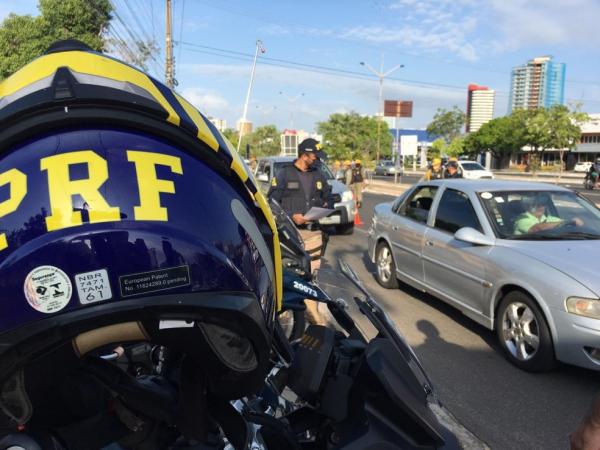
535 219
129 226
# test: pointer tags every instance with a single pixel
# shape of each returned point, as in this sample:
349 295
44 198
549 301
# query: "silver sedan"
518 258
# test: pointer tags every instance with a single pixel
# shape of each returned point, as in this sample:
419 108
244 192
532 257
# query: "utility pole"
169 75
292 100
260 48
381 75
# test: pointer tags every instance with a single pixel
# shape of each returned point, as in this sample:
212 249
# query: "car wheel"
345 229
386 269
524 334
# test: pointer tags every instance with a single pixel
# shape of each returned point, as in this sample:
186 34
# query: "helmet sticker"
47 289
93 286
154 281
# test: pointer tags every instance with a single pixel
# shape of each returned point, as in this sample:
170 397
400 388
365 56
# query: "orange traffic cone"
357 221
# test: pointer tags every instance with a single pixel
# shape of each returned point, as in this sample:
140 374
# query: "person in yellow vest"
435 172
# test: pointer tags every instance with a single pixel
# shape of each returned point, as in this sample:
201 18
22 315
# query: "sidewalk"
543 177
386 188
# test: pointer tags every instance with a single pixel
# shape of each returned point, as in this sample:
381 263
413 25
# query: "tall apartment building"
480 106
538 84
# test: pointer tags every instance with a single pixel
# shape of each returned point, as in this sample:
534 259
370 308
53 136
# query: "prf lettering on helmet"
150 186
17 184
61 189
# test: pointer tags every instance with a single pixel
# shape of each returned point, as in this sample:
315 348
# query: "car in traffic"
387 168
582 166
472 170
345 206
519 258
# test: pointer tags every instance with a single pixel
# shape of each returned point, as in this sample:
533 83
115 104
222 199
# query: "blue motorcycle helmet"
124 216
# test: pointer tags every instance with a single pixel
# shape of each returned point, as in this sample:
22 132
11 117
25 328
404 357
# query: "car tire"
385 267
345 229
523 333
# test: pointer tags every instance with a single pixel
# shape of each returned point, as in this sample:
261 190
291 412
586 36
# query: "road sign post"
397 109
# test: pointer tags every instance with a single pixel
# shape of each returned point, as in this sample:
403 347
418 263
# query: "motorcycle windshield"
386 328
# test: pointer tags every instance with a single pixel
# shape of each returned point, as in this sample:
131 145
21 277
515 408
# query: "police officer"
452 170
297 188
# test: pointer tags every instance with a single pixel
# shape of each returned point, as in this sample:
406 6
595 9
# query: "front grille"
337 198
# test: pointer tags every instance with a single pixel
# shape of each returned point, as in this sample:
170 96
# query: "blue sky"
443 44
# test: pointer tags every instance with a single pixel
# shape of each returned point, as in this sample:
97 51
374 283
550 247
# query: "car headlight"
587 307
347 196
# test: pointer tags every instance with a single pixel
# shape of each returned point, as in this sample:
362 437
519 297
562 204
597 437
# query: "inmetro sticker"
156 280
93 286
47 289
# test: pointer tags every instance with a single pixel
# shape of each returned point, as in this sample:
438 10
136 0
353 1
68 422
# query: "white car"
472 170
583 166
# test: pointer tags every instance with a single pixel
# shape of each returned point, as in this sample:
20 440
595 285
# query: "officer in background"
297 188
356 181
452 170
435 172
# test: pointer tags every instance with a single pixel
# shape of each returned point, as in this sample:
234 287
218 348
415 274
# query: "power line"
277 62
262 19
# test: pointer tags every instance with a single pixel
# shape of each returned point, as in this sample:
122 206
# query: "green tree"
24 38
501 136
231 135
447 124
455 147
437 149
554 128
350 136
265 141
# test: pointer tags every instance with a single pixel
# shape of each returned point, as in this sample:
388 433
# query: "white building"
480 107
220 124
588 148
291 138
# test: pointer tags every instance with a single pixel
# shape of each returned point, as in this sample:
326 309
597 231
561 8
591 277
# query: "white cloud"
553 22
206 101
326 94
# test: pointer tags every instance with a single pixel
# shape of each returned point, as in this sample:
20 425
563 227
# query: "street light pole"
260 48
292 100
381 75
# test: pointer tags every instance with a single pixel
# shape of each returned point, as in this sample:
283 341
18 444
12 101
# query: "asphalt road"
504 406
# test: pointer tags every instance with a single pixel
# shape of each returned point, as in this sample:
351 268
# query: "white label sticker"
47 289
486 195
499 199
93 286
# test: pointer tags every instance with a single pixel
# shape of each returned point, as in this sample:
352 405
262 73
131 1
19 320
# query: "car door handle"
429 243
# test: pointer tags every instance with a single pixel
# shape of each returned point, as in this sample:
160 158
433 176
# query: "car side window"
455 211
417 205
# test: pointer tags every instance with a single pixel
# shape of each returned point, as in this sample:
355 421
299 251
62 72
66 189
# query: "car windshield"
472 166
541 215
322 167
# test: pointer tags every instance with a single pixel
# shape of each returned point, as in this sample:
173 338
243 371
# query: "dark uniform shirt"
298 191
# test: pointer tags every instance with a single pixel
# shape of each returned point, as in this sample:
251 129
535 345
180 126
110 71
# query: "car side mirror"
263 177
472 236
